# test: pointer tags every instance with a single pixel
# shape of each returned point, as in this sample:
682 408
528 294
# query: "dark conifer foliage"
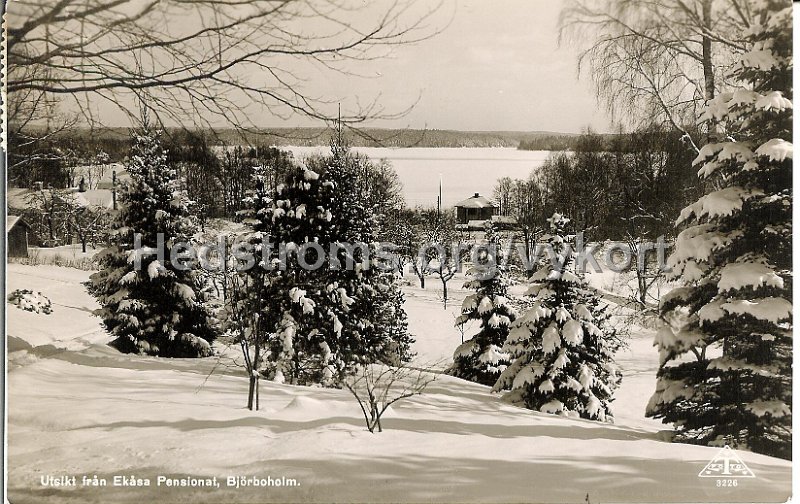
562 348
726 345
153 305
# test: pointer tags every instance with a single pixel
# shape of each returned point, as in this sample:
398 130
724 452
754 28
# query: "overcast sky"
497 66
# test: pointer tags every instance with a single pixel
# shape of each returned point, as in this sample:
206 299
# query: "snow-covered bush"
154 308
481 358
562 348
726 345
28 300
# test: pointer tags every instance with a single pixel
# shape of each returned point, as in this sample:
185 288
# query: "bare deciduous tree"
96 169
503 194
87 223
441 247
380 185
52 207
197 60
658 58
408 234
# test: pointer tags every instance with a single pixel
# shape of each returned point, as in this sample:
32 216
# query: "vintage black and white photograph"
398 251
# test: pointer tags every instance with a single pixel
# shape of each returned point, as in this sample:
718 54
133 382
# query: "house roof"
17 197
102 198
107 182
476 201
13 220
20 198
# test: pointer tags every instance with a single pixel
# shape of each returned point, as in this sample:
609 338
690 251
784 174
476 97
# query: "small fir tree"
152 306
481 358
392 322
562 347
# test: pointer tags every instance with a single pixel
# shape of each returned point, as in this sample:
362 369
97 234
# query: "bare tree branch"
657 59
199 61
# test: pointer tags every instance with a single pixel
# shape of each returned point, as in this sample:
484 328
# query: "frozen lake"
464 171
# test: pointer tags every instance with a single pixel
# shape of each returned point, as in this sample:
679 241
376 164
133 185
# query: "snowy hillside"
78 407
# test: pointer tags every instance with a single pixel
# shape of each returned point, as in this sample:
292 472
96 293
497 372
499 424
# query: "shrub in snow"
28 300
726 345
376 387
336 315
240 318
561 348
157 309
481 358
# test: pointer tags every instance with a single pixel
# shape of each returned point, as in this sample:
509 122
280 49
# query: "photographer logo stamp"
726 464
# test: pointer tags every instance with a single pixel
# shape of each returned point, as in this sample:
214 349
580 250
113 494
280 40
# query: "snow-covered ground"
77 407
65 255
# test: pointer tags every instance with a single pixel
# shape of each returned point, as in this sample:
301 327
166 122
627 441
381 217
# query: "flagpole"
439 199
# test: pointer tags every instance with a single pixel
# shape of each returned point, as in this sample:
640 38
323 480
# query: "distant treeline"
550 143
52 161
372 137
362 137
603 142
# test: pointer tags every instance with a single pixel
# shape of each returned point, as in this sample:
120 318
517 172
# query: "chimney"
477 195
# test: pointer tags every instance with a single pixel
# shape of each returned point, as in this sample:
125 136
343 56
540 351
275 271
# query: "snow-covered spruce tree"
481 358
390 326
378 330
334 314
155 308
726 345
562 348
298 313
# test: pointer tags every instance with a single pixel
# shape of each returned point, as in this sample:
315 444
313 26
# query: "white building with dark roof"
476 208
